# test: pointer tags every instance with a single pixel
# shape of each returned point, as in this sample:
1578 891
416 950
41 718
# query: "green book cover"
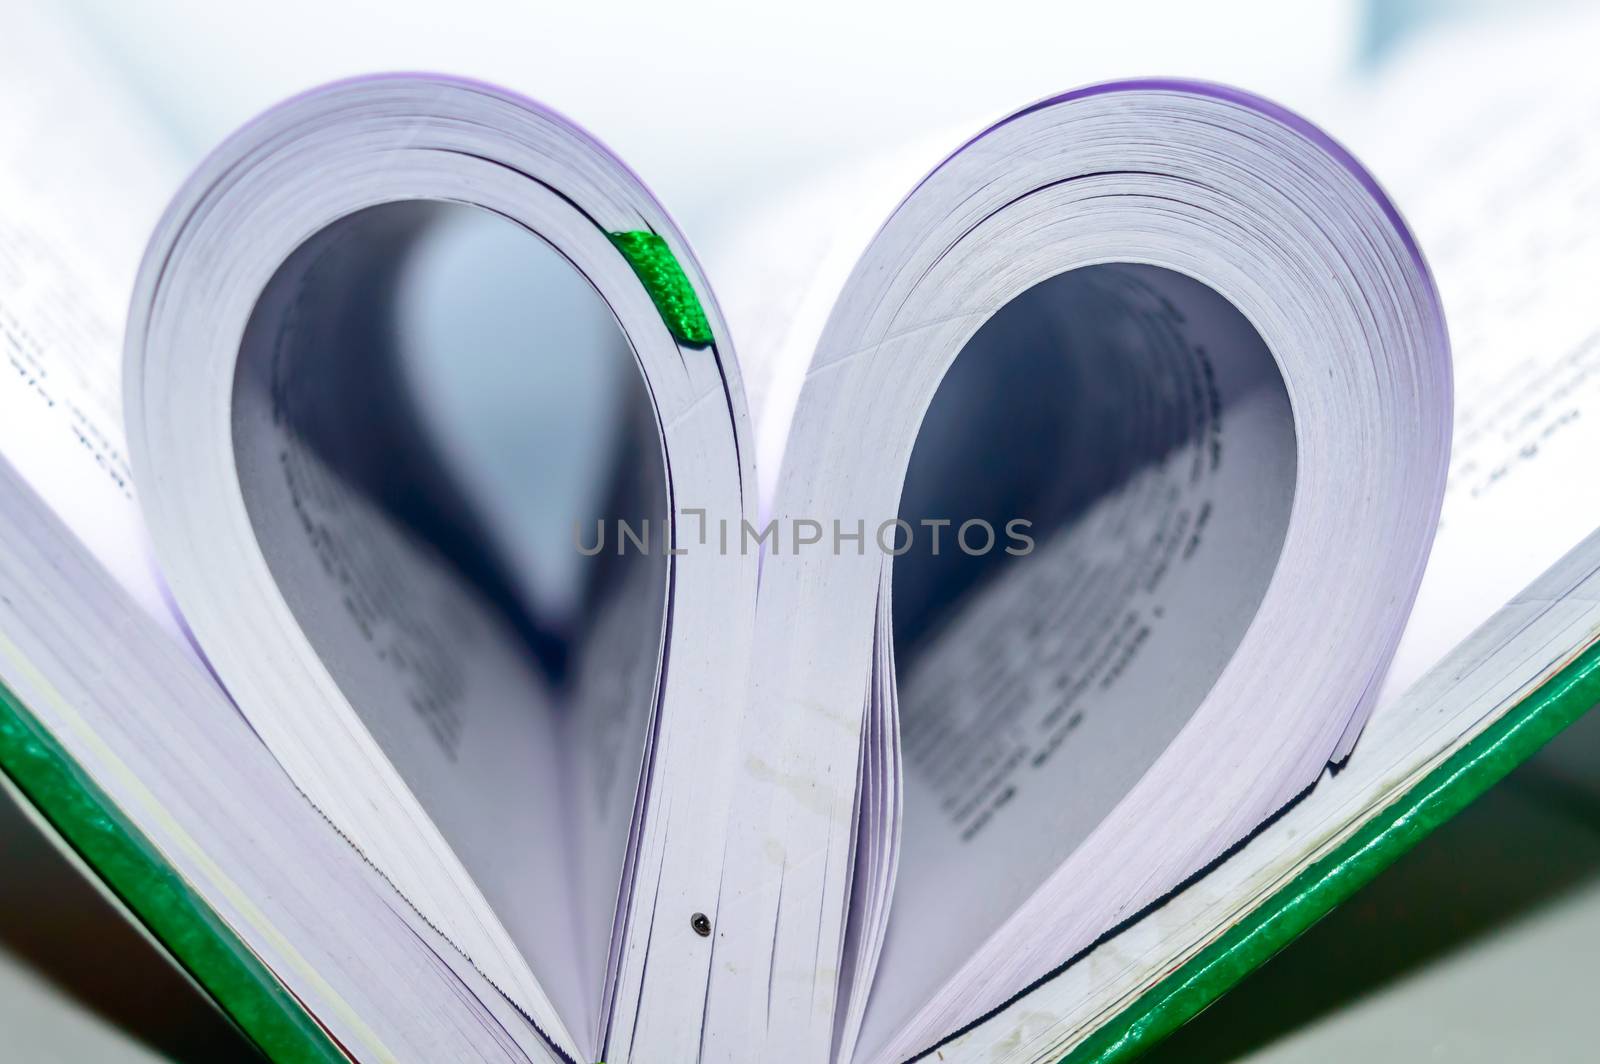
1379 842
134 871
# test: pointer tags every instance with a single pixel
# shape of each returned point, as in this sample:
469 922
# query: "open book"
456 639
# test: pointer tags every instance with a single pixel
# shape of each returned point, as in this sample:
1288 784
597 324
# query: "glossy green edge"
134 870
1314 893
663 277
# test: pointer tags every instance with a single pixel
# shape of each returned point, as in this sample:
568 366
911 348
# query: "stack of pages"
455 637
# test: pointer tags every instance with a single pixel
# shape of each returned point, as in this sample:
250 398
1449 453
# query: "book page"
1486 139
779 264
83 178
1147 437
404 513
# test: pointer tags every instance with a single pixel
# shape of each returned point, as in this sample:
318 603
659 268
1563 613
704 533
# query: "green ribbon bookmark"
668 285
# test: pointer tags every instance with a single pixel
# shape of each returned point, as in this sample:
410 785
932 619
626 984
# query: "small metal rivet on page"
701 924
